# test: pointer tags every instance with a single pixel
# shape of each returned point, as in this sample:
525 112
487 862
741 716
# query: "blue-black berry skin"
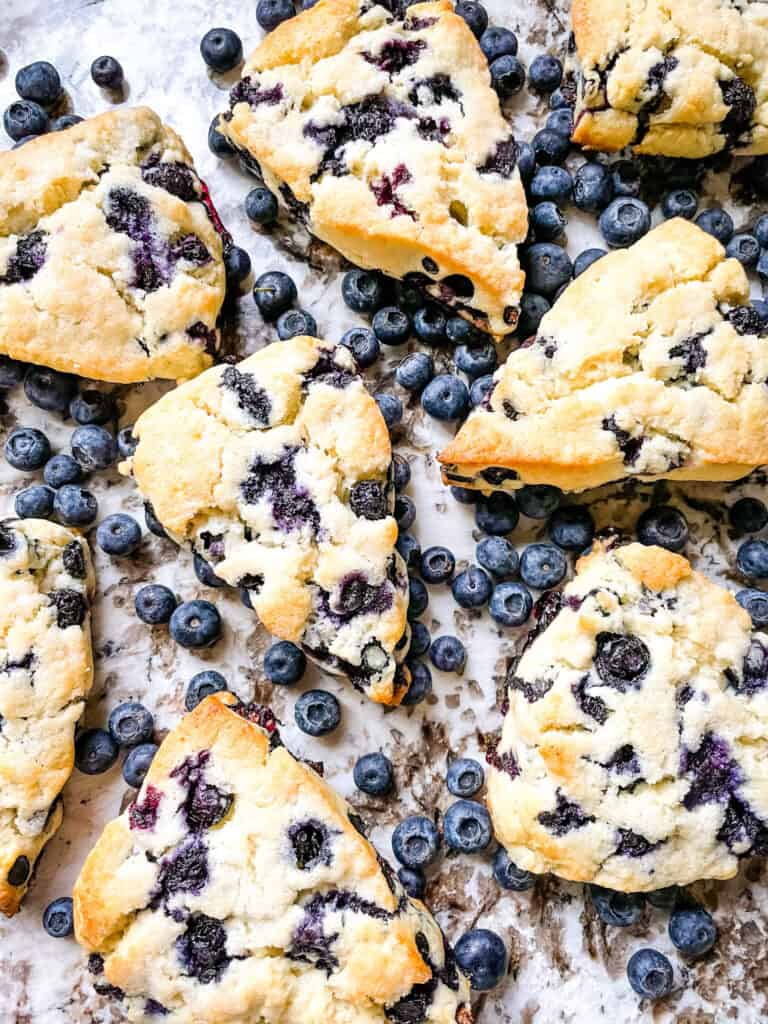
467 827
405 511
206 573
130 723
203 685
409 549
284 663
465 777
472 588
476 360
624 221
650 974
437 564
221 49
592 187
58 918
716 222
415 371
418 598
273 293
498 556
390 407
497 514
363 291
261 206
75 506
586 258
237 267
532 309
154 604
91 406
363 344
507 76
430 325
619 909
448 654
482 956
420 639
35 502
95 751
511 603
537 501
391 325
373 774
548 221
548 268
498 42
421 684
756 603
416 842
62 469
752 559
571 527
551 147
39 82
745 248
446 397
137 762
664 526
475 16
107 73
748 515
680 202
119 535
561 121
692 931
543 566
65 121
93 447
481 390
218 143
11 372
195 624
413 881
294 323
27 449
271 13
24 118
317 712
126 443
551 182
508 875
545 73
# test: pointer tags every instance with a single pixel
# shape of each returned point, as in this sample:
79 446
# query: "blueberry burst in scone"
110 252
687 78
276 471
46 586
238 888
633 750
382 133
651 364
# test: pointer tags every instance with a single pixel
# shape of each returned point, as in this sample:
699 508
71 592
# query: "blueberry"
482 956
551 182
416 842
716 222
592 187
221 49
543 566
586 258
745 248
626 178
532 309
663 525
373 774
126 443
92 406
498 42
446 397
507 76
752 559
62 469
237 266
547 267
11 372
430 325
405 511
664 899
218 143
680 202
65 121
511 604
295 322
317 712
421 684
390 407
481 389
571 527
420 639
95 751
93 447
620 909
477 360
413 881
545 73
410 549
48 389
206 573
415 371
550 147
748 515
497 514
203 685
107 73
136 765
27 449
261 206
58 918
467 827
273 293
475 16
364 291
418 598
465 777
508 875
39 82
284 663
271 13
75 506
756 603
391 325
459 331
24 118
448 654
118 535
196 624
472 588
692 931
526 162
153 523
363 344
497 555
537 501
437 565
154 604
464 495
650 974
561 121
401 472
130 724
35 502
760 230
624 221
548 221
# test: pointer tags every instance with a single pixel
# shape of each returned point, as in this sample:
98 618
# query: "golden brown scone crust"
649 365
110 266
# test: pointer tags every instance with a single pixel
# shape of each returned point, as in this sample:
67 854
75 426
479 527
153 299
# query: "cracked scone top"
383 134
650 364
238 888
633 750
681 79
110 264
46 585
277 472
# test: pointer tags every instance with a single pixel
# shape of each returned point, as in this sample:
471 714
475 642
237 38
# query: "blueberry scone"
651 364
110 252
633 749
276 471
46 586
383 134
683 79
238 888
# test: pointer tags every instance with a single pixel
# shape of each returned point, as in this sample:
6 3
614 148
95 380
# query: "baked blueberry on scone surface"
46 583
237 887
276 471
632 753
110 264
383 134
651 364
685 79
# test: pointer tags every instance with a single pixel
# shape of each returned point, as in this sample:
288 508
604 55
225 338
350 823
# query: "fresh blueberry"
364 291
153 523
130 724
508 875
477 360
75 506
415 371
760 230
390 407
261 206
571 527
532 309
39 82
24 118
716 222
401 472
11 372
547 268
420 639
126 443
663 525
410 549
118 535
664 899
550 147
482 956
548 221
475 16
592 187
294 323
237 267
537 501
762 265
405 511
373 774
561 97
543 566
154 604
271 13
624 221
218 143
585 259
95 751
421 684
626 178
284 663
413 881
58 918
203 685
448 654
136 765
430 325
65 121
692 931
650 974
545 73
416 842
467 827
437 564
459 331
526 162
756 603
221 49
481 389
507 76
62 469
93 447
497 514
497 555
748 515
391 325
363 344
465 777
206 573
561 121
472 588
511 604
553 183
27 449
680 202
195 624
317 712
752 559
619 909
48 389
745 248
35 502
446 397
498 42
273 293
107 73
464 495
418 598
92 406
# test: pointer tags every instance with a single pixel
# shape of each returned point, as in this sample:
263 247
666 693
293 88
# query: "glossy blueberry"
481 389
664 899
421 683
545 73
497 555
390 407
413 881
284 663
420 639
391 325
59 918
39 82
467 827
745 248
461 332
418 598
748 515
482 956
650 974
118 535
680 202
526 162
48 389
271 13
93 447
136 765
409 549
75 506
437 564
472 588
237 266
553 183
24 118
35 502
195 624
537 501
760 230
532 309
153 523
221 49
317 712
218 143
756 603
295 322
543 566
752 559
415 371
405 511
261 206
550 147
364 291
430 325
62 469
548 221
497 513
448 654
475 16
11 372
586 258
95 751
465 777
508 875
27 449
107 73
624 221
507 76
206 573
363 344
762 265
692 931
716 222
619 909
91 406
561 121
65 121
416 842
511 604
130 723
571 527
626 178
274 293
203 685
446 397
592 187
547 267
498 42
477 360
154 604
373 774
663 525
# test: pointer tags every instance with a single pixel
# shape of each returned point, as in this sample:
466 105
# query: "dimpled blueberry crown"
630 754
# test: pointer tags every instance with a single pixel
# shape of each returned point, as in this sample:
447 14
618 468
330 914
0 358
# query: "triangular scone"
277 472
46 671
383 134
237 888
634 749
110 252
649 365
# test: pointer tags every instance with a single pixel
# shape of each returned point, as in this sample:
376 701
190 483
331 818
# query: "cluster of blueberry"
750 516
